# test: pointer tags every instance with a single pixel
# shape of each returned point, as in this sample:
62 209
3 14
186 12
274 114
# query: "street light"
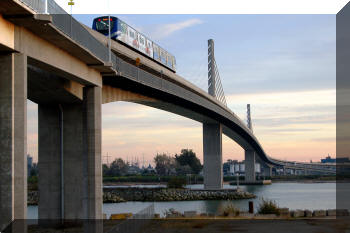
71 4
109 34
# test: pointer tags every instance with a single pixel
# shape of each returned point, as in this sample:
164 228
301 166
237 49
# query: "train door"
132 38
162 56
149 48
142 43
156 52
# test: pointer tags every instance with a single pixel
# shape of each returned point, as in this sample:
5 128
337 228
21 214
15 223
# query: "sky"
282 65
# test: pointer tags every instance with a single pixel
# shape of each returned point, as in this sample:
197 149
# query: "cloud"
164 30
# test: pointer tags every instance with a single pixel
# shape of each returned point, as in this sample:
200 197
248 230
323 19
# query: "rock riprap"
165 194
117 195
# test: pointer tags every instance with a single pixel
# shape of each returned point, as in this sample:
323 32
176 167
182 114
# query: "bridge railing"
71 27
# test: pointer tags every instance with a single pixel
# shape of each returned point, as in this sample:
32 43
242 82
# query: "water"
291 195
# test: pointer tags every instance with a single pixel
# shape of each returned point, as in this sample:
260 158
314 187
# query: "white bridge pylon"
214 81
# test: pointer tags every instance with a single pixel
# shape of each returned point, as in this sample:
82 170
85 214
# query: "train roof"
114 17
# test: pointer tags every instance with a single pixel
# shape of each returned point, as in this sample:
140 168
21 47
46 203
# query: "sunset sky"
283 65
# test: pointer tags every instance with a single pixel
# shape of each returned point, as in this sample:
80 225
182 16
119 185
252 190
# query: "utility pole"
107 158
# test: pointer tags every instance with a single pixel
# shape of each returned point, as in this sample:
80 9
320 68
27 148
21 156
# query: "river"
291 195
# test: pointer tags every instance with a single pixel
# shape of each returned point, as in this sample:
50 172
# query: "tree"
105 169
183 170
34 170
188 157
165 164
118 168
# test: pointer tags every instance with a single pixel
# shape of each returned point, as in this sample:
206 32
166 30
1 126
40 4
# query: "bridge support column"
212 156
249 164
13 140
267 170
80 195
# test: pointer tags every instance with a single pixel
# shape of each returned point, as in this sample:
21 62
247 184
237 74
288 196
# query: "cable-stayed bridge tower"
249 120
212 132
214 81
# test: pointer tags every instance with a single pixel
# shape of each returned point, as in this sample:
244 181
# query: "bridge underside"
70 186
33 47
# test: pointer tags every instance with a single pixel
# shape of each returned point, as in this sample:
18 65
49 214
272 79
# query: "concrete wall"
212 156
13 138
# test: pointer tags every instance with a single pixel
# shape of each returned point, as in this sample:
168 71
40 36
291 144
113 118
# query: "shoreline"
225 182
126 194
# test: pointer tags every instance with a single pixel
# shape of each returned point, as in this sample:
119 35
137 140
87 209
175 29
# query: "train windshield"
102 24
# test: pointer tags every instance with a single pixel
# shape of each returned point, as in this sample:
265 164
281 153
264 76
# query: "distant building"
29 164
328 159
234 167
133 169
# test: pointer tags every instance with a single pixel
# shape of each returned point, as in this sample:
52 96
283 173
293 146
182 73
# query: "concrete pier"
249 163
267 170
80 196
13 138
212 156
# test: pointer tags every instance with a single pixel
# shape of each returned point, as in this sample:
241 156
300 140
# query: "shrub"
32 183
268 207
229 209
176 182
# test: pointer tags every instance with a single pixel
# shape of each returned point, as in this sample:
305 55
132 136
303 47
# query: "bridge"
53 60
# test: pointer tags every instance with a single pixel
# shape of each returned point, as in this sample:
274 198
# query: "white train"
124 33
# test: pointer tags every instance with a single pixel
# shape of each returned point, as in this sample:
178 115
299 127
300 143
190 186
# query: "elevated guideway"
317 167
64 67
175 94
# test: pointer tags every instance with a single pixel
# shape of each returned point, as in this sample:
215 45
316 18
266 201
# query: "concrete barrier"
307 213
319 213
331 212
190 214
120 216
297 213
342 212
284 212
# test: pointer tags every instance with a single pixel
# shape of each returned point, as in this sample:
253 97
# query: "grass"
229 209
268 207
176 182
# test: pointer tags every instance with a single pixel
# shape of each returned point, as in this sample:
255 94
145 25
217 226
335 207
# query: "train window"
102 25
132 34
123 28
142 40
